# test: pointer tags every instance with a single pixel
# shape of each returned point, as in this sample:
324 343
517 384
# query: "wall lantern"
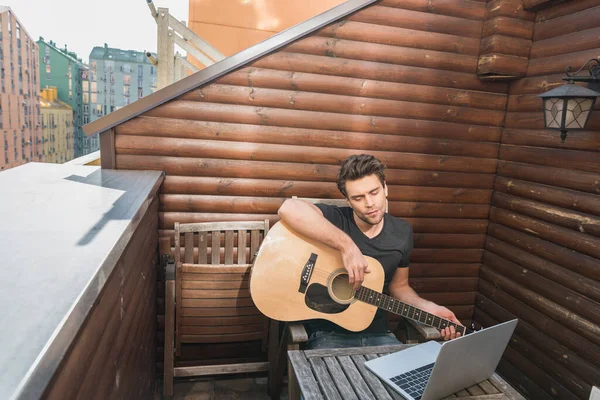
568 107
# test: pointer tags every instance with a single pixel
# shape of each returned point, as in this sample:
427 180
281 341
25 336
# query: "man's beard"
366 220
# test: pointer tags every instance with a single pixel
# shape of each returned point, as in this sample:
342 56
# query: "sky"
83 24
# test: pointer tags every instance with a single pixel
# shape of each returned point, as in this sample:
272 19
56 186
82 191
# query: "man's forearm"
308 220
406 294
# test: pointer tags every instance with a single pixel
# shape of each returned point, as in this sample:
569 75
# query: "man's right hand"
356 265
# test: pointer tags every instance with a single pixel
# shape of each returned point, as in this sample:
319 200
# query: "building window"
140 71
127 68
48 70
126 80
126 91
140 93
86 98
109 65
152 70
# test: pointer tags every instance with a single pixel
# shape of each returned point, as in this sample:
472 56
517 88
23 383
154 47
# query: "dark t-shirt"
391 248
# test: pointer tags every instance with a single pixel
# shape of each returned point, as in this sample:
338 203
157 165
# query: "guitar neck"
395 306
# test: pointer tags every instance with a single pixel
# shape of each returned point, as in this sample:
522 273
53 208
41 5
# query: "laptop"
431 371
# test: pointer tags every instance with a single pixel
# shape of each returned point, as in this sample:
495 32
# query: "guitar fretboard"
395 306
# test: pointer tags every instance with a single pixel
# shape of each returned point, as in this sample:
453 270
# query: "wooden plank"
565 159
580 222
401 37
206 227
564 178
215 279
546 268
241 245
556 253
505 388
446 255
458 8
215 294
507 26
280 170
582 326
208 303
586 140
323 190
187 330
107 146
212 285
223 320
577 41
303 376
555 64
577 241
202 247
500 44
502 64
189 248
338 375
423 270
509 8
220 311
296 62
419 21
228 247
411 137
254 243
221 369
216 269
222 338
215 247
374 384
330 392
383 53
577 21
487 387
354 377
562 9
193 148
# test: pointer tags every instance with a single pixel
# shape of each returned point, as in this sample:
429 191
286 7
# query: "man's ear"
385 189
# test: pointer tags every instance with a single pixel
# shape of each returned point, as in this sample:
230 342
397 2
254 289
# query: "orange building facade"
231 26
20 130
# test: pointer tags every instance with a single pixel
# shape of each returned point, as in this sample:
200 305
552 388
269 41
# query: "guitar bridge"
307 272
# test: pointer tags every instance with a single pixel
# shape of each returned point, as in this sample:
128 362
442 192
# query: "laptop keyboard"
414 382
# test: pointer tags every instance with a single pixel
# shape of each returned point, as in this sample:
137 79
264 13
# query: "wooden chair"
207 297
294 334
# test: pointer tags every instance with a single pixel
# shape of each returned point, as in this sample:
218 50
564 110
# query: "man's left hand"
447 333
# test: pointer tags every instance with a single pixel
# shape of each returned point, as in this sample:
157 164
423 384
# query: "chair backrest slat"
188 254
202 247
241 247
254 243
215 245
228 259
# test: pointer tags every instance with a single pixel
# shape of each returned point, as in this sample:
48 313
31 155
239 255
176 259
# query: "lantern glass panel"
553 109
578 110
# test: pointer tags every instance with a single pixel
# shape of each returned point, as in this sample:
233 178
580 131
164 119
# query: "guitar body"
286 285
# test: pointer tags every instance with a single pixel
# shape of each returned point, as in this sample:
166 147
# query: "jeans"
333 340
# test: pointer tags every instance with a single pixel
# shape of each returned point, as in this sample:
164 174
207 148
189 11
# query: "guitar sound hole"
341 288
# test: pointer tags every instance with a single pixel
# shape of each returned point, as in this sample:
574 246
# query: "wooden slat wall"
542 260
398 80
113 355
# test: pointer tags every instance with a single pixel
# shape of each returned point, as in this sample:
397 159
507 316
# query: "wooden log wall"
542 254
505 40
114 354
398 80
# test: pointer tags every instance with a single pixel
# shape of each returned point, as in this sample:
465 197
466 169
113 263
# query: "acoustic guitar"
295 278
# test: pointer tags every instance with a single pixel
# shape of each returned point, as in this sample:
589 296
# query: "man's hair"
357 167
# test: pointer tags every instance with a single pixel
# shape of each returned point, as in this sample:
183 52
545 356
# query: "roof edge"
225 66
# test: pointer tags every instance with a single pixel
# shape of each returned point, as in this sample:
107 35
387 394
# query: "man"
363 228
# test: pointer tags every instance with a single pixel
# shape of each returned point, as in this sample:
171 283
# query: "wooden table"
341 374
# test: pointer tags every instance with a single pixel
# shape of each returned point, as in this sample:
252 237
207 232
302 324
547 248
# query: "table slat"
356 379
345 388
324 379
304 376
488 388
375 384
